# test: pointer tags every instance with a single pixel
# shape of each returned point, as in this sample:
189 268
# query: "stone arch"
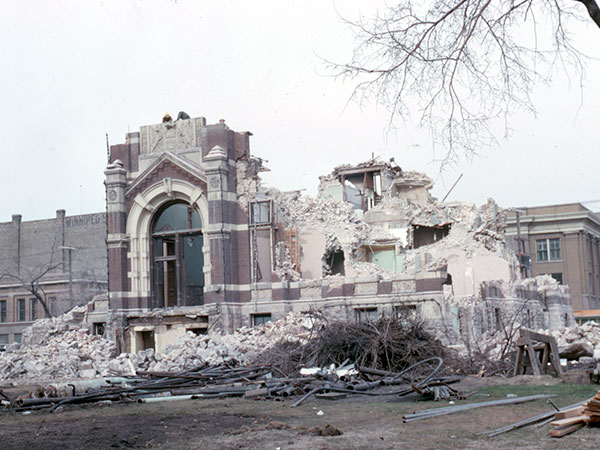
139 221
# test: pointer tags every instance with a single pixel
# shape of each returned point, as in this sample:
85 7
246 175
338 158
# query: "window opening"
367 314
52 306
548 250
99 328
21 310
178 257
144 339
258 319
260 213
333 262
3 341
33 309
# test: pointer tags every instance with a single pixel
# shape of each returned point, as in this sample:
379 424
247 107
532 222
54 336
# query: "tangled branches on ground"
391 344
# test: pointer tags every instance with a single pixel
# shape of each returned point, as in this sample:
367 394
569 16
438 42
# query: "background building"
62 259
564 242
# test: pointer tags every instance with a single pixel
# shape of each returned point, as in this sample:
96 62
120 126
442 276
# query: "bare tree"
455 67
32 282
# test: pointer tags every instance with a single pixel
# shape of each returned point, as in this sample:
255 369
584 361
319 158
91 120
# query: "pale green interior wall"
335 192
388 260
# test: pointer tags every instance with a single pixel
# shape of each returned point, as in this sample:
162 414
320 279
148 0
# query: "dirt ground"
365 423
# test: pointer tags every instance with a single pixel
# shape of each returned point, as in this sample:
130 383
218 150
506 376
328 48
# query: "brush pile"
389 344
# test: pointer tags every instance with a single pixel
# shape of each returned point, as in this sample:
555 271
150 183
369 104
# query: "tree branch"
593 10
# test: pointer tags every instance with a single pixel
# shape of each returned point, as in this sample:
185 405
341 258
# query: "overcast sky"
75 70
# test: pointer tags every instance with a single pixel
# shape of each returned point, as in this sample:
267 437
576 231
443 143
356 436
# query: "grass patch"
566 393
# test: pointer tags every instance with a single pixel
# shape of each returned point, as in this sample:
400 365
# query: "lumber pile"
568 421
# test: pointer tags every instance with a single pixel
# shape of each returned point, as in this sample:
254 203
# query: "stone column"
217 170
117 243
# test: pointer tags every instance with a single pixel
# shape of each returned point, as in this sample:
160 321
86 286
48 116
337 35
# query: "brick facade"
42 249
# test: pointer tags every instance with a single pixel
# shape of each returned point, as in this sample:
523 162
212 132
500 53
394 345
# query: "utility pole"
70 250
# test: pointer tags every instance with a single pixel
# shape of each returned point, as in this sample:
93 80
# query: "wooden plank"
573 412
519 362
537 336
563 431
569 421
545 356
556 358
533 360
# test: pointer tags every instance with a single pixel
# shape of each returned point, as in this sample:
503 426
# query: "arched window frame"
139 222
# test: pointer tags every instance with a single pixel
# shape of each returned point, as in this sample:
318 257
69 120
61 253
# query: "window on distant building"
3 317
33 309
547 249
17 337
258 319
3 340
21 310
558 277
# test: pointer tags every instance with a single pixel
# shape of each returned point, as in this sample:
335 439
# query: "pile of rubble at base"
58 348
244 345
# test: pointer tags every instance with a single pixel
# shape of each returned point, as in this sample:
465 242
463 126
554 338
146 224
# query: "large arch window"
178 259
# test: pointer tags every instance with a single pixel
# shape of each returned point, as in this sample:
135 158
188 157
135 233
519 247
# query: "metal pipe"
173 398
452 409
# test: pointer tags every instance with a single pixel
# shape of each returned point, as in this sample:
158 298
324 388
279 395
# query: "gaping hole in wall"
425 235
144 340
99 328
178 277
333 262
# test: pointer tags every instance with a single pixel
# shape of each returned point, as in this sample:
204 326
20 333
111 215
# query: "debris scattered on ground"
216 381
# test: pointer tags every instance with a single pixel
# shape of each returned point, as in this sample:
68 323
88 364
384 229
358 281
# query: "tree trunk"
593 10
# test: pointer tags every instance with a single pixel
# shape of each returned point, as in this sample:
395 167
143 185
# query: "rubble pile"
586 335
335 219
56 348
244 345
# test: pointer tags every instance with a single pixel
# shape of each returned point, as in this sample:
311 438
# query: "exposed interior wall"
416 194
264 255
311 257
469 271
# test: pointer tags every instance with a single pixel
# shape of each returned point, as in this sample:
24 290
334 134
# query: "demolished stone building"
196 243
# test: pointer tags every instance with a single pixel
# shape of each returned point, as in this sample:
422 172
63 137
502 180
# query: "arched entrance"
177 256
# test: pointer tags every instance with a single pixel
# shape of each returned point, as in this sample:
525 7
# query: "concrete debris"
424 234
54 349
242 346
586 335
334 218
579 341
58 348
